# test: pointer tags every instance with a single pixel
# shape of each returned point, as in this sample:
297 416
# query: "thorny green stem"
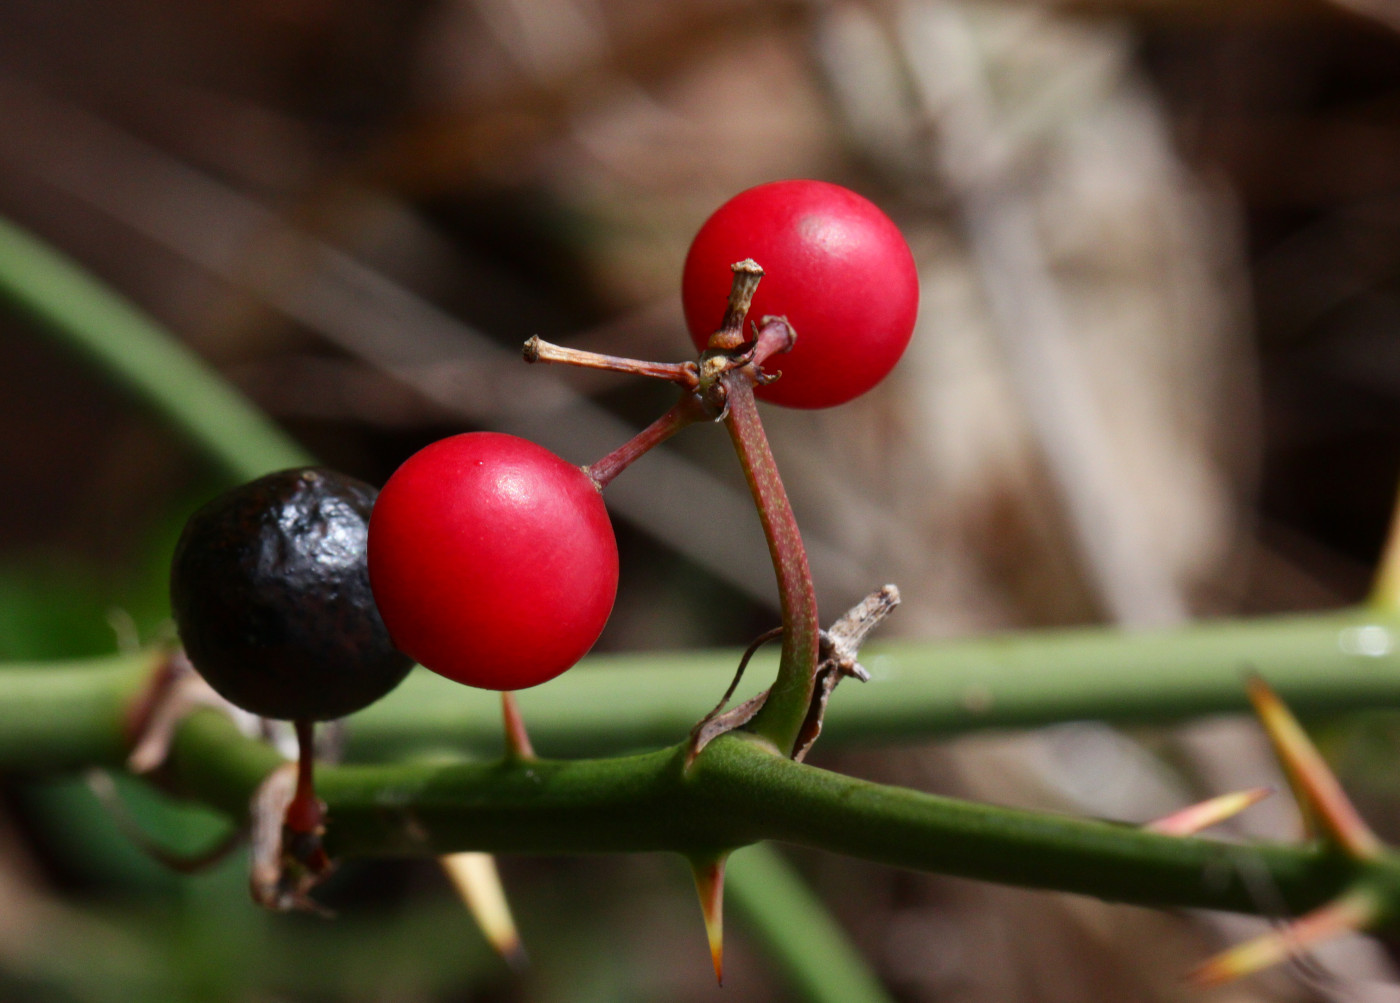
688 410
57 719
739 793
531 805
782 715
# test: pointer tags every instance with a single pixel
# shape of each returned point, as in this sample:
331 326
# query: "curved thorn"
709 883
1352 911
1314 784
1197 817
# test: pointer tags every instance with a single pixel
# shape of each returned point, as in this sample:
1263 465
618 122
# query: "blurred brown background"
1155 376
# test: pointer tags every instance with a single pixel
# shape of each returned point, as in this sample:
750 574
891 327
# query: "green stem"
141 357
59 715
737 793
782 716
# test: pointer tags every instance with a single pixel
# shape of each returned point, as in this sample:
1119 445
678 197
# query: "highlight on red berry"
834 265
492 560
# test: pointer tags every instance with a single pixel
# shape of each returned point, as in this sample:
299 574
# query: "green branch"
1325 663
59 716
1319 663
739 792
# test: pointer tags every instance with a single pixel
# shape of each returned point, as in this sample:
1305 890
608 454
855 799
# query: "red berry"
834 265
492 560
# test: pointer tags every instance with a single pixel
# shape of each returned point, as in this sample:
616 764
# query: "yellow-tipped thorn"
1313 782
709 882
477 881
1352 911
517 738
1198 817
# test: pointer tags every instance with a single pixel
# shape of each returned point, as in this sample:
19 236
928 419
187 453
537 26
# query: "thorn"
518 745
1197 817
1313 782
1352 911
477 881
709 882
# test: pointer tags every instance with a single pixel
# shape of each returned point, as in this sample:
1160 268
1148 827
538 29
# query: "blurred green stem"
795 929
1319 663
139 356
739 791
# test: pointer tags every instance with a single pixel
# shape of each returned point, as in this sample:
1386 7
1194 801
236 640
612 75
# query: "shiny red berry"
272 600
834 265
492 560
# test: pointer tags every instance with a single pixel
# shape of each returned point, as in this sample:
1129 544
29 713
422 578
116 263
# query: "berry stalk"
782 715
688 410
306 814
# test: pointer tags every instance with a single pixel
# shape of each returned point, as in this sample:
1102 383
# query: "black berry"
271 595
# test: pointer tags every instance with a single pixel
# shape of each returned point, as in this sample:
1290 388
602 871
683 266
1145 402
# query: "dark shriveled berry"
272 600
